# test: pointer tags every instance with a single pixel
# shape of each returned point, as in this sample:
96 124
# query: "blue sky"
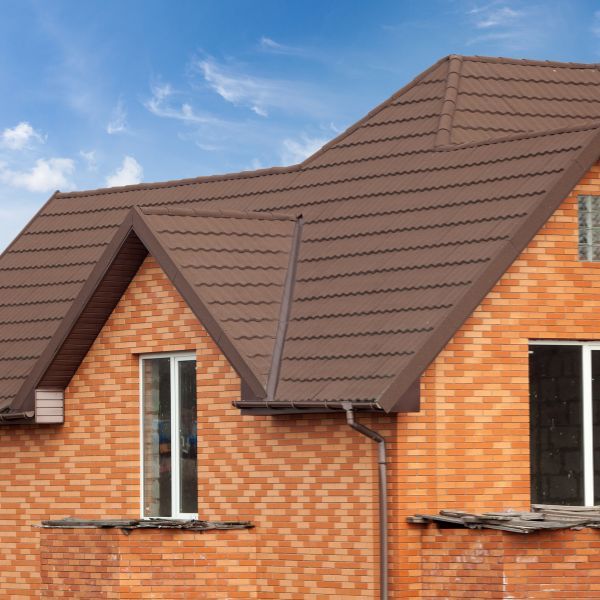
107 92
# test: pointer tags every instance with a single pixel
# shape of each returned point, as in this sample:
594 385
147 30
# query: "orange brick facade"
460 563
308 483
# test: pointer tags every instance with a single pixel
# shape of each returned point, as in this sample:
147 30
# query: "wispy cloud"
20 136
118 119
162 104
45 176
259 94
596 24
515 29
267 44
128 173
493 15
297 150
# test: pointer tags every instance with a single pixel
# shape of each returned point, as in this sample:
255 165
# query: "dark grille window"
556 425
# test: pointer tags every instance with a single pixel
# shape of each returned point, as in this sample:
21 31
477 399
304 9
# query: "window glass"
596 419
188 444
589 228
156 373
556 425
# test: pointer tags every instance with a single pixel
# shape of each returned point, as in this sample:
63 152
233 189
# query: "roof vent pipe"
383 501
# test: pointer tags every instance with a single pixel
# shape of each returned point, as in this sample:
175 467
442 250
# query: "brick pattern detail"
460 563
106 564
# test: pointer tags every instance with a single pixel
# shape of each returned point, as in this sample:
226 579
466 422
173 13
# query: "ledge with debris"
131 524
542 517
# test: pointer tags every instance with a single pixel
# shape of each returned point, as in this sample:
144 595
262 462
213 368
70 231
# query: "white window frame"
175 358
587 407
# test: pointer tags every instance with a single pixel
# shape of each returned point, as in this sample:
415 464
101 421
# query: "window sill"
131 524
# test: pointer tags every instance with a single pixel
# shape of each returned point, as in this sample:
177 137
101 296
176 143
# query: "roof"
409 218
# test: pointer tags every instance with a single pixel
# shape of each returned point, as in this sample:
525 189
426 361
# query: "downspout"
383 500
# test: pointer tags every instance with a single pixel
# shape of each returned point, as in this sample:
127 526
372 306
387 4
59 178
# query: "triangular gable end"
138 235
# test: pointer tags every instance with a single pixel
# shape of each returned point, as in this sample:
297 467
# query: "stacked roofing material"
541 518
409 218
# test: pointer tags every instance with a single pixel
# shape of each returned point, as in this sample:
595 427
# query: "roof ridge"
178 182
217 213
519 136
530 62
376 110
444 132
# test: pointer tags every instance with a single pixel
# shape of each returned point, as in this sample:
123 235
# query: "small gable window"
589 228
169 436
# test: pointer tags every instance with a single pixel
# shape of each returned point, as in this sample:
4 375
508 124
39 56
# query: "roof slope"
410 217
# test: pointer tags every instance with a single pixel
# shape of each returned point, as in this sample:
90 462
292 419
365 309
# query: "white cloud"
20 136
47 175
295 151
90 159
257 93
128 173
118 119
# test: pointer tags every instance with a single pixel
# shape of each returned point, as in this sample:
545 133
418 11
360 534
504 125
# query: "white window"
565 422
589 228
169 463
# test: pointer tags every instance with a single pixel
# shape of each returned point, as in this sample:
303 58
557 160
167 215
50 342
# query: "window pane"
188 439
556 425
156 388
596 416
589 228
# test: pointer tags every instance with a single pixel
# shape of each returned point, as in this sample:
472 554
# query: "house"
231 355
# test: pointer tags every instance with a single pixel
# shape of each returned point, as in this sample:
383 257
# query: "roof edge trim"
25 394
218 214
472 298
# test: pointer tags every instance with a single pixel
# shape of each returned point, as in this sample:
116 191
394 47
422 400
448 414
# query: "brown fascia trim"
391 399
218 214
146 234
25 397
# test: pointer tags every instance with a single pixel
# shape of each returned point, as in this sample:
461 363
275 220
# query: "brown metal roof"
410 217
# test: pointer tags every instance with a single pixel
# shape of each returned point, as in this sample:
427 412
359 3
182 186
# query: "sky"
103 92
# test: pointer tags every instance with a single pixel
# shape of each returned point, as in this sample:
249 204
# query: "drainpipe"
383 509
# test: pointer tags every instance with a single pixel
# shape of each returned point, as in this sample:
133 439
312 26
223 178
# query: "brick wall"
308 483
462 563
107 564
